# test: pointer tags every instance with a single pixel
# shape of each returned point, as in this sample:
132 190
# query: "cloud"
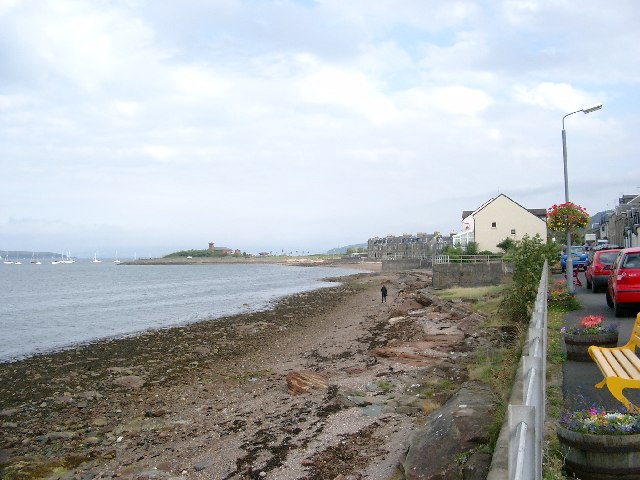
555 96
197 120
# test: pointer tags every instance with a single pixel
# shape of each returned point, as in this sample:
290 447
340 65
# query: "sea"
50 307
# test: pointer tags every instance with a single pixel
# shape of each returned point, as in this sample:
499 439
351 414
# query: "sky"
153 126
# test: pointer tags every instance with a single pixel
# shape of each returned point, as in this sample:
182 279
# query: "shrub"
529 255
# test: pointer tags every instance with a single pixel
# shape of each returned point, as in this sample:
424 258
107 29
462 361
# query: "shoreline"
287 261
330 382
245 308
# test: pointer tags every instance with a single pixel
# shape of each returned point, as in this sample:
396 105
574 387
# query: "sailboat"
7 261
34 259
95 259
116 261
69 259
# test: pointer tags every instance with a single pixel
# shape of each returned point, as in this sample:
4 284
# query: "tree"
471 248
507 244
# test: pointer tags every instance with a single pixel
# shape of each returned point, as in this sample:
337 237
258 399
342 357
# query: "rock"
91 440
477 466
358 400
202 350
204 464
459 426
303 381
155 413
153 475
129 381
99 422
417 354
7 412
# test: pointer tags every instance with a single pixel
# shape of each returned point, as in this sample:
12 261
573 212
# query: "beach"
325 385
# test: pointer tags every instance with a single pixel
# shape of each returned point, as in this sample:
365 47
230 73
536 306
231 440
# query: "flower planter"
577 346
600 457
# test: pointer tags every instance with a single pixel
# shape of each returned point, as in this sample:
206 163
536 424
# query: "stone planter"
600 457
577 346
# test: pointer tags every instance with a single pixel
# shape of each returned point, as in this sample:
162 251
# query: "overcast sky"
159 125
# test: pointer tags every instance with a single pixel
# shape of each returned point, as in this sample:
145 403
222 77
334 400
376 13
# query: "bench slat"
602 362
633 358
624 362
611 360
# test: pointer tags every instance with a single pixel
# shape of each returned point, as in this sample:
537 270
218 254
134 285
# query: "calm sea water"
50 307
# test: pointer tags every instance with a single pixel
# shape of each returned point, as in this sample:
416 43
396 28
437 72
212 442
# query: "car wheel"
588 283
619 310
609 301
594 288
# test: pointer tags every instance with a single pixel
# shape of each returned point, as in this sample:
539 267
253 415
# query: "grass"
471 293
495 366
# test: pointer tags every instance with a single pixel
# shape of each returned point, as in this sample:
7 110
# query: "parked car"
578 257
599 266
623 288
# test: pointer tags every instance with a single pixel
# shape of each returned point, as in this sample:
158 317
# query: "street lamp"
569 268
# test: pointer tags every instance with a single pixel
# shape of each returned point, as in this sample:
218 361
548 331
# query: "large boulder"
459 426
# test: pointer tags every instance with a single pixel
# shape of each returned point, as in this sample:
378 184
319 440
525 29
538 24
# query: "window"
493 224
513 231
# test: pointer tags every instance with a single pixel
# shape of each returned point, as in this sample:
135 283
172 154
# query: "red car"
599 267
623 288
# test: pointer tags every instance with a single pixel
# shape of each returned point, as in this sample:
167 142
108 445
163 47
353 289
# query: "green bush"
528 256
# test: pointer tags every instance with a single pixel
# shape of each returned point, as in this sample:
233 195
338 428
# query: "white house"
498 219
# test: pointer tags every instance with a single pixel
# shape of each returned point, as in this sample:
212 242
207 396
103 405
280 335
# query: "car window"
607 257
578 250
631 260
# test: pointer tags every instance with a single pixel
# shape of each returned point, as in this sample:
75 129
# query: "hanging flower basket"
567 217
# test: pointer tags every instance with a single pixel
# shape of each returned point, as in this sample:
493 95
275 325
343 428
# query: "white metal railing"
440 259
526 421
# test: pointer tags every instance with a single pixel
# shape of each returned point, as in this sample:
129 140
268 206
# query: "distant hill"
343 250
23 254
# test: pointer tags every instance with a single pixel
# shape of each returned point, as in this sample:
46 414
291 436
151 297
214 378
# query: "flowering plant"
597 421
590 325
567 217
560 298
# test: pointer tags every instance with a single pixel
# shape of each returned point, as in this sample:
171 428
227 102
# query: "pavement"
579 378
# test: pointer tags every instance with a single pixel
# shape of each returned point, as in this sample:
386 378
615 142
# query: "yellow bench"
620 366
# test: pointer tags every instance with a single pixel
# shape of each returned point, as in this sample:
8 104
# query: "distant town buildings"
620 226
223 250
407 245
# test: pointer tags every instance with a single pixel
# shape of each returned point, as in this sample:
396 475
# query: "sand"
211 400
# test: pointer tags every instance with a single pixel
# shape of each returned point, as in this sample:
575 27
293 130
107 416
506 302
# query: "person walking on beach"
383 290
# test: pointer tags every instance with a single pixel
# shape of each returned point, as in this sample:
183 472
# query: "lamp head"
592 109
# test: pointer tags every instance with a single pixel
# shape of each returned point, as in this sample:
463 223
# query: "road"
579 378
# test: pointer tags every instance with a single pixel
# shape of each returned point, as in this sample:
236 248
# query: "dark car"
599 267
623 289
578 257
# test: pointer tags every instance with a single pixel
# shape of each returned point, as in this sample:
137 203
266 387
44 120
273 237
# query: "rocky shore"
331 384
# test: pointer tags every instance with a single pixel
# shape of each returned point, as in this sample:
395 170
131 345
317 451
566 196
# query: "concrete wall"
449 275
405 264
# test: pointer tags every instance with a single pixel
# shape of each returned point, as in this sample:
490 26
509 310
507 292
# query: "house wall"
507 216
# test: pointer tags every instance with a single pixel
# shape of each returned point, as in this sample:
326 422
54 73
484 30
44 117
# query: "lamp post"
569 268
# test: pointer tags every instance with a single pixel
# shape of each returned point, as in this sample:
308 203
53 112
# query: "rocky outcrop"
458 427
304 381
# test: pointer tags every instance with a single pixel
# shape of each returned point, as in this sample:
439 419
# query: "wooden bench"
620 366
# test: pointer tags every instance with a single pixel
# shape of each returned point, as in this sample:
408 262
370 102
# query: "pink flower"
591 321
